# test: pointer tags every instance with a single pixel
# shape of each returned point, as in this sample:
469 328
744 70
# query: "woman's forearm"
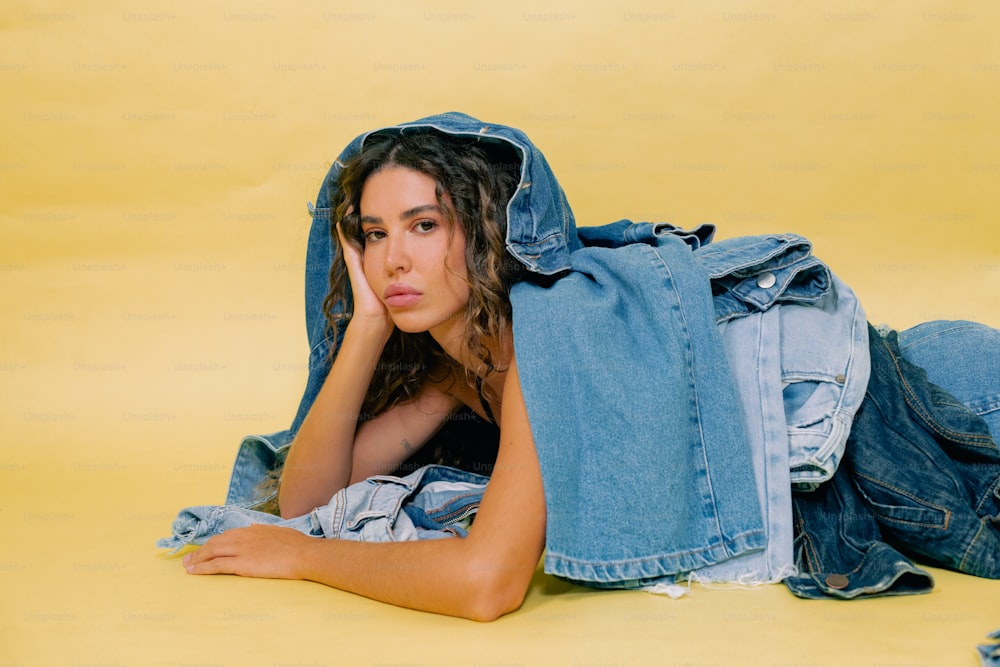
448 576
320 459
481 576
453 576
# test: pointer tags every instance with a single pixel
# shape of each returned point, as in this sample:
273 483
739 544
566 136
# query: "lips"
399 295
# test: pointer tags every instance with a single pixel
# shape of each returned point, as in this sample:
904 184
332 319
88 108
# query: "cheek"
369 262
457 275
454 259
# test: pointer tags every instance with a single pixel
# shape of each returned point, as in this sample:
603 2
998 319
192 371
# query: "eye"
373 235
425 226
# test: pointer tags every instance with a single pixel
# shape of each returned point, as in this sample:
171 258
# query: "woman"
438 230
429 332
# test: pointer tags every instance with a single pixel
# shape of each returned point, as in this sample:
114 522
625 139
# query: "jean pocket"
900 507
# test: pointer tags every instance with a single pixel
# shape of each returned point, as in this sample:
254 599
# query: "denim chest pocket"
372 526
371 515
810 400
897 506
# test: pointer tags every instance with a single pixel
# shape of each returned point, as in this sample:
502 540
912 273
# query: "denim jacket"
711 282
429 503
823 331
921 480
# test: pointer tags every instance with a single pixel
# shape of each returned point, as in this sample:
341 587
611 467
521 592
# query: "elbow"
493 592
489 607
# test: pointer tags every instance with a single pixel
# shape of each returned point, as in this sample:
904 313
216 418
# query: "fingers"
217 555
213 566
206 560
352 256
255 551
349 248
366 303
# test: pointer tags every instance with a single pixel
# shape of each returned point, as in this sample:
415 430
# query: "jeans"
795 339
631 406
921 477
964 359
989 654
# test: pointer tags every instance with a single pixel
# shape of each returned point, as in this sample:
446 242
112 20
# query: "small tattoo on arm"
407 446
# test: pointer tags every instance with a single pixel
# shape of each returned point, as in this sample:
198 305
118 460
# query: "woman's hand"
368 308
271 552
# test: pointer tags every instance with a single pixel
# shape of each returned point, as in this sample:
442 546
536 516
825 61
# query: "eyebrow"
405 215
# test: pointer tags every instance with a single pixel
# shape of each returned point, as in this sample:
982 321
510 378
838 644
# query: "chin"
410 325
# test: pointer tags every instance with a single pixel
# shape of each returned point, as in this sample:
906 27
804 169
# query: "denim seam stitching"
604 564
963 564
659 263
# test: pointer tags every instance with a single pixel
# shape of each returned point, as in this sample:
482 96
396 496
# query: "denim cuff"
882 572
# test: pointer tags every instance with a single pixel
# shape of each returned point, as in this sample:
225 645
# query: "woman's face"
414 257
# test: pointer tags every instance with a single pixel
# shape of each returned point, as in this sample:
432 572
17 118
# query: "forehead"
398 192
401 181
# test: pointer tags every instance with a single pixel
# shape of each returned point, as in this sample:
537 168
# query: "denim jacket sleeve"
430 503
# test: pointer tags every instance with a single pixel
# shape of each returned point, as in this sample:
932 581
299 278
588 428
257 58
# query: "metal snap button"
766 280
837 581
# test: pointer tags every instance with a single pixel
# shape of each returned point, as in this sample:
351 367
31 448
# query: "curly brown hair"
478 178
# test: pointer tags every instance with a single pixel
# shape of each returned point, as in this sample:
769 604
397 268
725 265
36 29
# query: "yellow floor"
154 171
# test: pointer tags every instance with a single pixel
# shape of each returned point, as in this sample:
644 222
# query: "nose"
397 254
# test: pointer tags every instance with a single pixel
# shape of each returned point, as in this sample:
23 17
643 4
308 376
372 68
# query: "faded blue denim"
429 503
963 358
821 334
771 280
646 472
989 654
801 373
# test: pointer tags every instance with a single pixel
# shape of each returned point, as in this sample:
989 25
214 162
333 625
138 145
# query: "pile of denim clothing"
703 410
920 479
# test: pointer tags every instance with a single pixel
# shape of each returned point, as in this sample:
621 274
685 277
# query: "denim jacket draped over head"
626 336
540 234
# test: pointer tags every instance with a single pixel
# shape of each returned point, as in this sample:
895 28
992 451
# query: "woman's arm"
383 443
481 577
330 450
321 457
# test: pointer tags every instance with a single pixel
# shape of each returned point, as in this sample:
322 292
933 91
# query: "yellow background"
155 164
